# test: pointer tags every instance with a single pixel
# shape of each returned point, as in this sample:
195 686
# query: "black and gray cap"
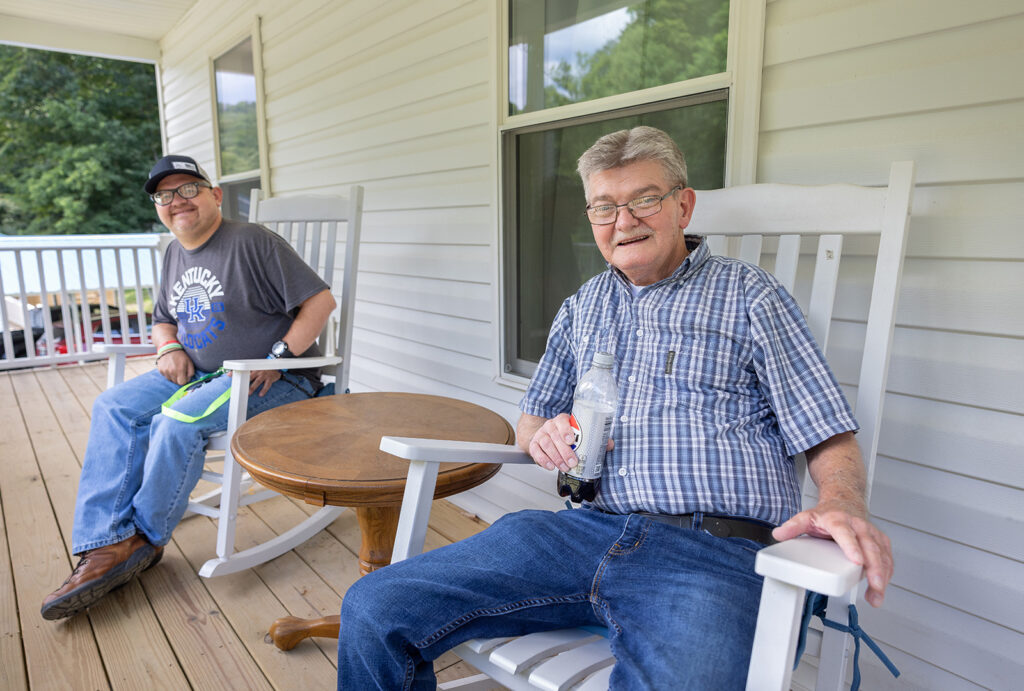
174 165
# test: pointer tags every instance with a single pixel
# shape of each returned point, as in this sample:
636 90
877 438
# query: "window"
577 70
238 128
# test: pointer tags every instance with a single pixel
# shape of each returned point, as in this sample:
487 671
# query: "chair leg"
209 504
835 645
228 513
115 369
771 661
232 474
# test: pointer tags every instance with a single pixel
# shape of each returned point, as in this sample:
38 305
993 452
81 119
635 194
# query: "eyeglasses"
641 207
186 191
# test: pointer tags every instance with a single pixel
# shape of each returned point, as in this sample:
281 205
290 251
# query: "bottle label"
591 428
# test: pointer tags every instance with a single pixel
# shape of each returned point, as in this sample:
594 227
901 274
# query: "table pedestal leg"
377 524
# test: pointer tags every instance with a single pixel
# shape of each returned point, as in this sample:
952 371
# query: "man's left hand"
860 540
263 379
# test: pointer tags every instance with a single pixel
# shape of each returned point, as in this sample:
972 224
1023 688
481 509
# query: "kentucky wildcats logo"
193 300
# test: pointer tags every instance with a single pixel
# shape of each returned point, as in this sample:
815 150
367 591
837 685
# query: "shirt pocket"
698 368
669 379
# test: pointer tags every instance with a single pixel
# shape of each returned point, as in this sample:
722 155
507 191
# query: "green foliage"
665 41
78 136
239 150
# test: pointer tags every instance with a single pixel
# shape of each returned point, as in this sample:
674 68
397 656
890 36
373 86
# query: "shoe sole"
158 554
88 594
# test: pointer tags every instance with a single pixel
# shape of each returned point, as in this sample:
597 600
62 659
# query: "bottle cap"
604 359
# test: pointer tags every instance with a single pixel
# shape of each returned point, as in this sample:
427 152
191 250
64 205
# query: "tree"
239 151
78 136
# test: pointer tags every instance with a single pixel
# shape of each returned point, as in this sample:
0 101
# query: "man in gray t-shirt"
235 295
229 291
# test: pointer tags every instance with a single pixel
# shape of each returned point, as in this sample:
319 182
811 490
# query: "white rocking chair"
750 218
310 224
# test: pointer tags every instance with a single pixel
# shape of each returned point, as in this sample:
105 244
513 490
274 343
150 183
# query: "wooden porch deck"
170 628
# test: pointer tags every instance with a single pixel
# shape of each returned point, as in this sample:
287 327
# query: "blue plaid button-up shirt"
720 385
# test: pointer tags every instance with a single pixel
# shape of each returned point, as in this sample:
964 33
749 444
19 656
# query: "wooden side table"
325 451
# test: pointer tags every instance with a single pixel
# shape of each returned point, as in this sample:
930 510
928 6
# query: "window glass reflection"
568 51
236 110
555 250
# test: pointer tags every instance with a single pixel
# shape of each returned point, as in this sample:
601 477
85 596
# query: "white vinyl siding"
402 97
848 87
399 97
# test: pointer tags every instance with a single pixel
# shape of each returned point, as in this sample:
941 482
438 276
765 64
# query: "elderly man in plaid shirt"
720 385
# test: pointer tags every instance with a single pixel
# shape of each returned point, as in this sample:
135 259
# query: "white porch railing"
62 294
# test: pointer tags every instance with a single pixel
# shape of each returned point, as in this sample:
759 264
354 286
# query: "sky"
233 88
563 45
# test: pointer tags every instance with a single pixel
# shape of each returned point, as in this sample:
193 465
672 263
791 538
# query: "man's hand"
549 445
841 513
860 540
548 441
263 378
176 366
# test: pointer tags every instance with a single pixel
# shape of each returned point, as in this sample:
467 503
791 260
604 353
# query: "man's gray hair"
630 146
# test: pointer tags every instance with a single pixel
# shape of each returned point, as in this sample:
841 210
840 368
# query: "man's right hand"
176 366
548 441
550 444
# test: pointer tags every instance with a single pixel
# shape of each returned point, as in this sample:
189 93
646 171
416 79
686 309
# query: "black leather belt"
719 526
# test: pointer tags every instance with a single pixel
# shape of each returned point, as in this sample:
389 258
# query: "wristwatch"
280 350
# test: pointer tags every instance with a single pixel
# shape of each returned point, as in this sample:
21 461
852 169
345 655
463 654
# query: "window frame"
741 79
261 174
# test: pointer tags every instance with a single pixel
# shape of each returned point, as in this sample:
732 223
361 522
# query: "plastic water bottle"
593 410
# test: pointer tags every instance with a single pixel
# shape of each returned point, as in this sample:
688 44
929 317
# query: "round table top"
325 450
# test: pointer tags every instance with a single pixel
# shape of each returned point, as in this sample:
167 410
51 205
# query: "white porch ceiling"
116 28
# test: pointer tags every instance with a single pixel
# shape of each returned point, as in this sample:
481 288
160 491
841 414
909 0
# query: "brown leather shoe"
98 572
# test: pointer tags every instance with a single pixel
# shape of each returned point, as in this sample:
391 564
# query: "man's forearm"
309 322
164 332
526 428
837 469
841 513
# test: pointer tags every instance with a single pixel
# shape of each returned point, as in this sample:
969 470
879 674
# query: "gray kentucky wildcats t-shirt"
236 295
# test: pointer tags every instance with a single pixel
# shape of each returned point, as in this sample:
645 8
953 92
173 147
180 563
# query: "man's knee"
130 399
110 399
369 603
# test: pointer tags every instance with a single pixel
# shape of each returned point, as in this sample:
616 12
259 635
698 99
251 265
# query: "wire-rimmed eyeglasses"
186 191
641 207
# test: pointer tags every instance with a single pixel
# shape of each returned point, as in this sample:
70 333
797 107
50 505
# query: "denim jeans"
680 605
140 466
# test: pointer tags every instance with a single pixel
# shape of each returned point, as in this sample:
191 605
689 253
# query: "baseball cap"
174 165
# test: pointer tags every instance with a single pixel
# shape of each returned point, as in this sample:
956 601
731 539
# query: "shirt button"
623 472
622 419
632 378
639 332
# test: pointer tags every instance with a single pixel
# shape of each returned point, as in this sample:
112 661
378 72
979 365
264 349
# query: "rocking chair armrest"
444 451
809 562
288 363
425 457
117 355
124 348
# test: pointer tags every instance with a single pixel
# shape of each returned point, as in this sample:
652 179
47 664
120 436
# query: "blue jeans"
140 466
680 605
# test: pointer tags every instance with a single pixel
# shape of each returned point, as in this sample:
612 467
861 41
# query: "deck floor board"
169 628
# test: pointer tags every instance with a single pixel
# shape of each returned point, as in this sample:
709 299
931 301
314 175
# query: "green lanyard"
166 409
